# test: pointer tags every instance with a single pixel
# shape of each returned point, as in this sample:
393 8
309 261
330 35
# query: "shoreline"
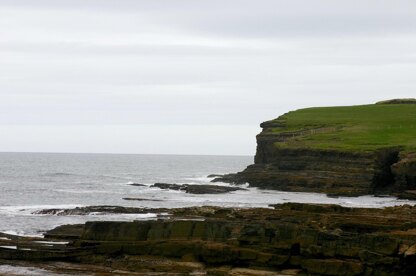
321 239
33 220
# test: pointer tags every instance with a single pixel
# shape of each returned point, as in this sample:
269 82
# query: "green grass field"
352 128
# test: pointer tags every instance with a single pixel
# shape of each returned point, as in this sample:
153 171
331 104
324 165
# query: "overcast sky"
190 77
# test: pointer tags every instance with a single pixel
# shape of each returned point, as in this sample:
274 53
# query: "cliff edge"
347 150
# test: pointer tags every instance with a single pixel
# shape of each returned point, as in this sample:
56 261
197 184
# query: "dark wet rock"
405 174
308 239
141 199
210 189
70 231
214 175
167 186
206 211
324 171
82 211
407 194
198 189
137 184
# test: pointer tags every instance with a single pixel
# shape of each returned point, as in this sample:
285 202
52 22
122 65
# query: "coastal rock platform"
286 239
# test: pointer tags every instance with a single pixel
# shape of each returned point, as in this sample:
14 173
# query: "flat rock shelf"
288 239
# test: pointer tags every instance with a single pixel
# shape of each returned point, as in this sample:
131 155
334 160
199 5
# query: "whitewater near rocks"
34 182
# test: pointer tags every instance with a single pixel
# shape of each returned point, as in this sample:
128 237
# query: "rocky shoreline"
286 239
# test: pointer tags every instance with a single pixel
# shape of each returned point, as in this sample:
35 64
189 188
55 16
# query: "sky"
190 77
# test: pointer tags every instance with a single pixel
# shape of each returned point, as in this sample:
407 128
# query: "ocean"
30 182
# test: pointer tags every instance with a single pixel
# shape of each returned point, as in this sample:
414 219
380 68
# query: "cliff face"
291 157
405 174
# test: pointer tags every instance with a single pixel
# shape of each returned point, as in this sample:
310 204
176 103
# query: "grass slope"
352 128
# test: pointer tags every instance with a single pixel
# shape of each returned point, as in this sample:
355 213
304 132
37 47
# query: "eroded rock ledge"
293 238
332 172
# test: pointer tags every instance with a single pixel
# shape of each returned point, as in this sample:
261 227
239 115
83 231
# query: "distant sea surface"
34 181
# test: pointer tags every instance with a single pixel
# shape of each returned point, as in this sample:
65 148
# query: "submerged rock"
137 184
141 199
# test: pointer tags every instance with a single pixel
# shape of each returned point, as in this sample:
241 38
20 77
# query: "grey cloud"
265 18
94 49
83 65
300 26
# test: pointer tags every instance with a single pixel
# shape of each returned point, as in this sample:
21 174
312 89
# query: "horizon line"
115 153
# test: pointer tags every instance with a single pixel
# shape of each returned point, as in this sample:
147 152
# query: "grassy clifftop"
348 128
350 150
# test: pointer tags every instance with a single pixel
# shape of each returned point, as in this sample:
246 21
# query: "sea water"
30 182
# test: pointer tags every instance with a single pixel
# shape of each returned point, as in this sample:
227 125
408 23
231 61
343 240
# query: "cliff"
351 150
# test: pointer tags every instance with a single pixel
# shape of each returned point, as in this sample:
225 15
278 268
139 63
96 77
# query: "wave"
61 174
14 247
29 209
52 242
113 176
25 270
125 216
96 176
87 191
204 179
22 234
135 183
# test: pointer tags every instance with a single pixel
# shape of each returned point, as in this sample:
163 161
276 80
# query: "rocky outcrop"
324 171
399 101
387 170
97 210
405 175
197 188
294 238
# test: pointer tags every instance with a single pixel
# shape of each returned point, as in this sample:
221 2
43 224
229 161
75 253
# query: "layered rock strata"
289 239
384 171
